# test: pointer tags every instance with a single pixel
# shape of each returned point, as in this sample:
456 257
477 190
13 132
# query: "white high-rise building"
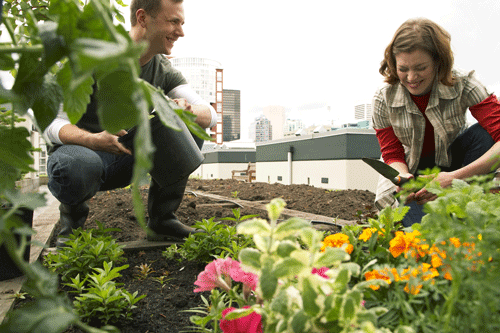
363 112
200 74
277 116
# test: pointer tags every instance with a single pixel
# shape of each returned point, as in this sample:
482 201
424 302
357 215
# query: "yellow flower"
413 289
337 240
402 242
376 274
455 241
367 234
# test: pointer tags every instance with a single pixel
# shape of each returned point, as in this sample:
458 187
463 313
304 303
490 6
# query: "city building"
231 117
277 116
292 126
261 129
200 74
363 112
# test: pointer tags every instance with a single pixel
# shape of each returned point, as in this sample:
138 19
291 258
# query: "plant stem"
22 49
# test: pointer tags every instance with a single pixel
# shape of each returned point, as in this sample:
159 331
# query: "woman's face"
416 71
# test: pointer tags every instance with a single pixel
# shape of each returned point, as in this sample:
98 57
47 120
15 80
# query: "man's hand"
183 104
105 141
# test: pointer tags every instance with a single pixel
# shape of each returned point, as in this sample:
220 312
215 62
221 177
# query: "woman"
420 114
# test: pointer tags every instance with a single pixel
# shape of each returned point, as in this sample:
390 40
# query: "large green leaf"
54 45
288 267
255 226
268 281
309 296
14 156
117 95
48 98
76 92
290 227
43 315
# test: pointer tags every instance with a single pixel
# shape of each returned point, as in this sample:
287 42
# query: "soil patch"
162 309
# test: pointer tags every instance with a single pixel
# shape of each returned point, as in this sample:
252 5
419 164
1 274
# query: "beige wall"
341 174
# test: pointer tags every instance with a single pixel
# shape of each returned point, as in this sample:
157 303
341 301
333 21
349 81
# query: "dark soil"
161 310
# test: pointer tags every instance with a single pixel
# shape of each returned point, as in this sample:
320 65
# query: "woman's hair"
152 7
420 34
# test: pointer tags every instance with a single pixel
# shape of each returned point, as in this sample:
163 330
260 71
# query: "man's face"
164 29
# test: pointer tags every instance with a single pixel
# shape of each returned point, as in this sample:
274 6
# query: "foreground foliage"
438 276
55 64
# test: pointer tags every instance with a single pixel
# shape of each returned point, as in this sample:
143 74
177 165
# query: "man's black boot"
163 202
71 217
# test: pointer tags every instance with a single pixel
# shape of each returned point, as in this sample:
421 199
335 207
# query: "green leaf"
14 156
299 321
47 101
253 227
117 95
348 309
331 256
285 248
250 257
54 44
262 242
76 92
290 227
342 279
268 281
44 315
288 267
280 302
68 13
309 297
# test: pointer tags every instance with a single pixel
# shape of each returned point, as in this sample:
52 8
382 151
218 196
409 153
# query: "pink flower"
248 279
248 324
321 271
216 274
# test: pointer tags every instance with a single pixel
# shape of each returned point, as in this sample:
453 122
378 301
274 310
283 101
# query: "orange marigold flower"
402 242
431 273
376 274
337 240
367 234
413 289
455 241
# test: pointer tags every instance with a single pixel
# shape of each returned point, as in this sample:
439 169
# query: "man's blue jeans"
77 173
473 143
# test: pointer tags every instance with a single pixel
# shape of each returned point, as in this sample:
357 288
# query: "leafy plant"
235 194
143 271
212 242
56 62
84 251
101 300
237 218
287 287
162 280
429 270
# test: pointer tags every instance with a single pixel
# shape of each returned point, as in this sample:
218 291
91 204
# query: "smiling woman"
420 115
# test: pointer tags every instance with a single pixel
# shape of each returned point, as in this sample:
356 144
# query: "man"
87 159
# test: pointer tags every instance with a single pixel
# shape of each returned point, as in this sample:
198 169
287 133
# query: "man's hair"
420 34
151 7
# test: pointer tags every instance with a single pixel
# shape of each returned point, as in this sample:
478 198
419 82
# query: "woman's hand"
423 196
